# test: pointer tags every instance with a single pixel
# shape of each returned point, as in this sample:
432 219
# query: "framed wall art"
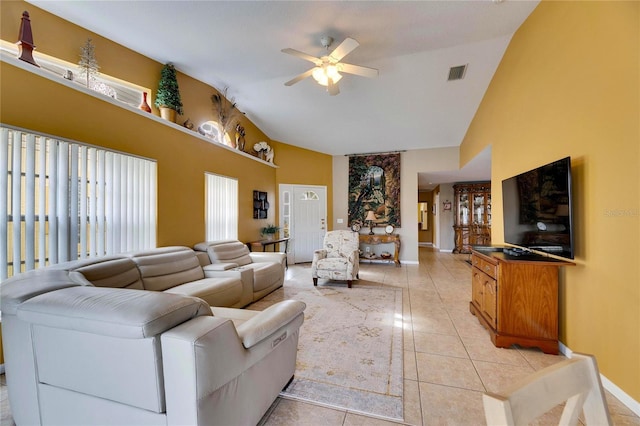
374 185
260 205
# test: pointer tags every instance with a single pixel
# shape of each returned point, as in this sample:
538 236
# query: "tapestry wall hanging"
374 184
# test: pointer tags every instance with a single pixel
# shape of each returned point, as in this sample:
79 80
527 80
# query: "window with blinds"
221 208
62 200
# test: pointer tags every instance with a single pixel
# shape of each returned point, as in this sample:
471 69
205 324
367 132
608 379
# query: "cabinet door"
477 283
490 300
478 208
463 209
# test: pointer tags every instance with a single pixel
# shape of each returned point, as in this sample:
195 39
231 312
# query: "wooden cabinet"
484 289
472 215
374 240
516 298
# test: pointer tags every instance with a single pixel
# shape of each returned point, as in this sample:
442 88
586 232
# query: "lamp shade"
371 215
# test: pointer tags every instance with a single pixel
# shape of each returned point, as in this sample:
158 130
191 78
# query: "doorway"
303 218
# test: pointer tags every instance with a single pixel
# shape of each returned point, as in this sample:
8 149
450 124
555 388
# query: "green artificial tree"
168 95
88 63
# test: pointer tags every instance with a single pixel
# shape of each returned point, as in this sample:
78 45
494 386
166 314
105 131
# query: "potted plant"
168 96
269 231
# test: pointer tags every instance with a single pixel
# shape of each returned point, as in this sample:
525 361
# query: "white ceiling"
237 44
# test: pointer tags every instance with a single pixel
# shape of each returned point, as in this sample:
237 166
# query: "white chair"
339 258
575 382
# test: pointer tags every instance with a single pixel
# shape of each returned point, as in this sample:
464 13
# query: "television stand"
516 298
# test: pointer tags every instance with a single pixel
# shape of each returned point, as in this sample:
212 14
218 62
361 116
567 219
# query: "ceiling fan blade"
358 70
299 77
299 54
344 49
332 88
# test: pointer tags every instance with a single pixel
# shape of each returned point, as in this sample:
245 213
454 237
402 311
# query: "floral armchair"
339 259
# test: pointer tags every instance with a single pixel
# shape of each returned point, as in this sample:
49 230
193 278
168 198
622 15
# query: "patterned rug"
350 352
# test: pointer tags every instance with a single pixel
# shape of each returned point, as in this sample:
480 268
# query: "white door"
304 215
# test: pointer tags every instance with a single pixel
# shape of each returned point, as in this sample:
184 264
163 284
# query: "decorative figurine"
25 40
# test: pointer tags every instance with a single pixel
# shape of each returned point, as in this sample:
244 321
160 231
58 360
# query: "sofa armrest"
267 322
242 273
218 267
198 358
276 257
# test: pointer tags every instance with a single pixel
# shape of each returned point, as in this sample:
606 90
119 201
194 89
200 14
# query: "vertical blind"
62 200
221 207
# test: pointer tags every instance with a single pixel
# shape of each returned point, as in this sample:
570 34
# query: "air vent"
457 73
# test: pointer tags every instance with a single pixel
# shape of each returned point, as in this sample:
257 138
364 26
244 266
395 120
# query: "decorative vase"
239 142
168 114
144 105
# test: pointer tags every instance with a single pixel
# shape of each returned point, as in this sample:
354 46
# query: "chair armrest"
219 267
319 254
267 322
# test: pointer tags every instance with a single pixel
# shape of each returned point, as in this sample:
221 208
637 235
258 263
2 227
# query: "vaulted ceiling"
413 44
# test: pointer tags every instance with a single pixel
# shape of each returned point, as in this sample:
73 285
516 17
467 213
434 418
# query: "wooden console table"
516 298
382 239
265 243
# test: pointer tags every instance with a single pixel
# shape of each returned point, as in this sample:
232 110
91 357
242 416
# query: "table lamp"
371 217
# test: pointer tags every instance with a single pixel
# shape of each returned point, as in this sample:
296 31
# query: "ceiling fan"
328 68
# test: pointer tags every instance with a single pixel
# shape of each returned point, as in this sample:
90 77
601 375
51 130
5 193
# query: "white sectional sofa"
260 273
131 339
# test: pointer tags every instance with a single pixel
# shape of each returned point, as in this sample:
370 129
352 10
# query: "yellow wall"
36 103
569 85
299 166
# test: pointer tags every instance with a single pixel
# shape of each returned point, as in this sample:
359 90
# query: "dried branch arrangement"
227 113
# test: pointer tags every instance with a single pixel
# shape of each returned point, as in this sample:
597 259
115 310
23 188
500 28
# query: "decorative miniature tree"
168 96
88 63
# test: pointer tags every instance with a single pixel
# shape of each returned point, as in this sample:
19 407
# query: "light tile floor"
449 360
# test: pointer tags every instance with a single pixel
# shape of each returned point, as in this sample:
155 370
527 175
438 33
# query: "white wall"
411 163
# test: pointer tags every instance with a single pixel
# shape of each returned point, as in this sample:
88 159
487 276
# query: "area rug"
350 352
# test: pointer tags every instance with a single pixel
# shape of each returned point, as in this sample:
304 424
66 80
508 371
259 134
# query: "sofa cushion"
167 267
15 290
228 251
105 342
115 273
132 314
214 291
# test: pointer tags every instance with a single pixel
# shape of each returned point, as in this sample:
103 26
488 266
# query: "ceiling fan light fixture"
324 73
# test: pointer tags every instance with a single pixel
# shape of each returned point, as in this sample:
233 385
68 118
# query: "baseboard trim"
423 244
621 395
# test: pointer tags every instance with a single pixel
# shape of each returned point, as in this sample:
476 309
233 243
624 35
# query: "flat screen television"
538 208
